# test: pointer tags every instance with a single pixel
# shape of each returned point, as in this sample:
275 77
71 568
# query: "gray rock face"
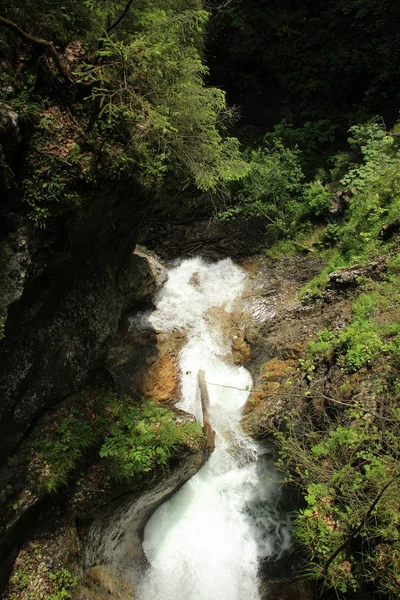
10 136
15 261
63 293
344 279
146 277
113 541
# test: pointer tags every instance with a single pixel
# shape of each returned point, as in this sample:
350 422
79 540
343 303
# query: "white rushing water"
206 541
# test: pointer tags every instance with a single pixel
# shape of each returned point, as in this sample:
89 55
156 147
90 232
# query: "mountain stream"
207 540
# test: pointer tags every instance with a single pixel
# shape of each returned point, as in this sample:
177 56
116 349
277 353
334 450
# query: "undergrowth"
367 227
130 437
32 579
373 332
346 460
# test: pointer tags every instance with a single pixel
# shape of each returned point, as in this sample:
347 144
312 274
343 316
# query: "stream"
208 539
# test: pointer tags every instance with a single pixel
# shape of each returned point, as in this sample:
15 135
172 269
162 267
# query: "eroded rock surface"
63 303
278 326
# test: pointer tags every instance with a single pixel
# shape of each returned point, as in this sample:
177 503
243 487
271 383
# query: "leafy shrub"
330 235
132 437
350 476
324 347
135 109
360 346
149 88
61 452
316 197
271 190
142 437
370 173
347 464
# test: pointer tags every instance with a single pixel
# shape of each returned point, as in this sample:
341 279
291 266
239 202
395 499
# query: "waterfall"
207 540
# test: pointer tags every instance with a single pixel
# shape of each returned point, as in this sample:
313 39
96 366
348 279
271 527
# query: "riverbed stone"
286 590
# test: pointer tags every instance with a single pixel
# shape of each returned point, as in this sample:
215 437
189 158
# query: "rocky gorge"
266 331
199 300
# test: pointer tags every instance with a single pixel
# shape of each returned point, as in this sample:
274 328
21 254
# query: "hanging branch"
48 46
122 15
357 531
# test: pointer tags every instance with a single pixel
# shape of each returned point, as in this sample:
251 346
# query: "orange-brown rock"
161 380
275 369
241 350
273 373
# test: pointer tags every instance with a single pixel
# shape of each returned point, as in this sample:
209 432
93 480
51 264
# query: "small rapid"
207 540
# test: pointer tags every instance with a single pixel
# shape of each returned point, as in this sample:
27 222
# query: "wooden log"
205 406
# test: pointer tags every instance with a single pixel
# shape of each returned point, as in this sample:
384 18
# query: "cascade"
207 540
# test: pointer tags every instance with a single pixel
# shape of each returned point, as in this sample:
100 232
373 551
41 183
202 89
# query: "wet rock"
161 381
273 375
113 537
101 583
241 349
15 264
277 369
145 278
195 280
286 590
200 236
345 278
145 363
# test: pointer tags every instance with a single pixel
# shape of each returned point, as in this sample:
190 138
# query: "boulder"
145 278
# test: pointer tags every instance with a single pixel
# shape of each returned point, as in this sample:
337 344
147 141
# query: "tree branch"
48 46
357 531
122 15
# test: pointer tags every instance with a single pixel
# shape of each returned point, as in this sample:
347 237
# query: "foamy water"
207 540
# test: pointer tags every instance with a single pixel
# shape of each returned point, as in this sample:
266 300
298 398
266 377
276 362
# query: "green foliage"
149 87
376 190
131 437
372 333
373 202
324 346
346 461
136 110
34 581
303 73
360 346
350 475
142 437
272 188
63 581
316 198
61 452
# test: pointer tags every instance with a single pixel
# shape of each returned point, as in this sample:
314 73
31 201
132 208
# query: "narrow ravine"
207 540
